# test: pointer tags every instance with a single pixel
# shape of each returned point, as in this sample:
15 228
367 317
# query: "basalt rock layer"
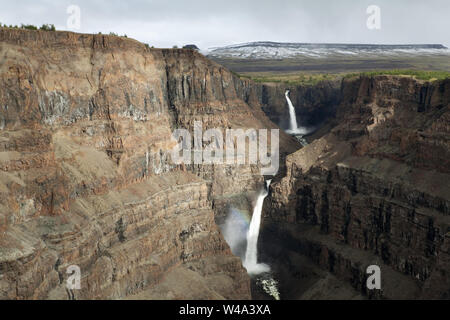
86 179
374 190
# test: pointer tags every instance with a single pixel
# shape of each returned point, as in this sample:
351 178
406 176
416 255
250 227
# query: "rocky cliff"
85 175
313 103
373 191
201 90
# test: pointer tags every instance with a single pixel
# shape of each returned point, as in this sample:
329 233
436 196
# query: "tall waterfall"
251 255
292 117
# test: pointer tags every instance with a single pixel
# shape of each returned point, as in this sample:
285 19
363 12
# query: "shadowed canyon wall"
374 190
313 103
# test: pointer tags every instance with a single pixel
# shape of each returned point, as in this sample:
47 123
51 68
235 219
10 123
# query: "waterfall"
292 117
251 255
294 129
234 233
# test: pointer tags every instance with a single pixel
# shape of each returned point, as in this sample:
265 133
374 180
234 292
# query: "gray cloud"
210 23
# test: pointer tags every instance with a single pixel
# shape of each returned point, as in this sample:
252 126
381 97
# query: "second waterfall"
251 254
293 127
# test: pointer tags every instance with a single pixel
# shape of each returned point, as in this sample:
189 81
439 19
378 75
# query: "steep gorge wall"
85 173
374 190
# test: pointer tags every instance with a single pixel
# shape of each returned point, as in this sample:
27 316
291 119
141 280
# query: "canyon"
86 177
373 190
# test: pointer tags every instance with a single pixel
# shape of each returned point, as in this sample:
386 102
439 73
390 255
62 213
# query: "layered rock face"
374 191
201 90
85 174
86 177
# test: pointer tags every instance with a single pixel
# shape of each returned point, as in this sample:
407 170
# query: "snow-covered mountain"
279 50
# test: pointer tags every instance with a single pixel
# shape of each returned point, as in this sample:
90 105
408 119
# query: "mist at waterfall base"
242 235
251 255
294 129
234 231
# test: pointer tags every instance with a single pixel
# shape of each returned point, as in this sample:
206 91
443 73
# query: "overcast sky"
208 23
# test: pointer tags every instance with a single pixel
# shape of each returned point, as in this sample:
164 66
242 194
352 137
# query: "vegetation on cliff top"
416 74
48 27
45 27
310 79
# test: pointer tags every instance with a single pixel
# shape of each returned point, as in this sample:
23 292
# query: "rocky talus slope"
374 190
85 175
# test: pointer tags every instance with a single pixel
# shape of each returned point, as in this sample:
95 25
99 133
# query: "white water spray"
294 128
292 117
251 255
